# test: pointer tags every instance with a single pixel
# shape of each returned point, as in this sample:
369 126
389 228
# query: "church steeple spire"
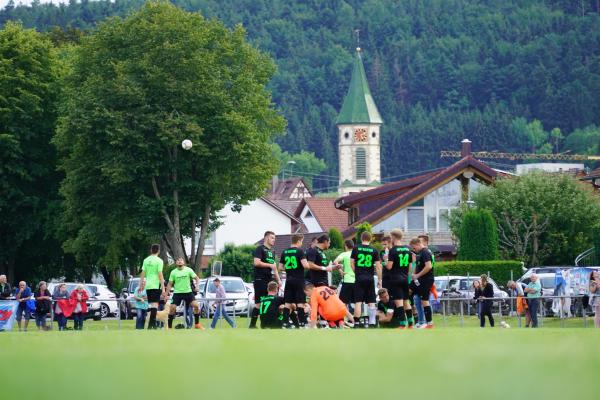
358 127
359 106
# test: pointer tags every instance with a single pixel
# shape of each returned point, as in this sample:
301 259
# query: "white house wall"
310 222
247 226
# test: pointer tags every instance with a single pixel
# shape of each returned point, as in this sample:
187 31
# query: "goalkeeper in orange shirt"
325 302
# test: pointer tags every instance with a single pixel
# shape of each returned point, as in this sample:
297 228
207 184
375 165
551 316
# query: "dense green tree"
542 219
304 164
139 86
478 236
237 261
336 239
439 70
28 180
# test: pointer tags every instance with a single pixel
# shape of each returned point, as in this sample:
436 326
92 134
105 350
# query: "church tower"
358 126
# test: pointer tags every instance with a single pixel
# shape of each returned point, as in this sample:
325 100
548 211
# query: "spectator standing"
477 294
595 296
515 289
534 291
60 293
487 294
5 289
79 296
141 307
43 304
220 293
22 295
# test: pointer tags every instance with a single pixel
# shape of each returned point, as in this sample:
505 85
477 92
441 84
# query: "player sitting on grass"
385 310
326 303
271 308
180 280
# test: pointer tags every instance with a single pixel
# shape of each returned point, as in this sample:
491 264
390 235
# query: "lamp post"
291 163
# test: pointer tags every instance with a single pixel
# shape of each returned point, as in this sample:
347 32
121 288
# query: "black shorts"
186 297
294 291
423 290
347 293
153 295
260 290
398 290
364 291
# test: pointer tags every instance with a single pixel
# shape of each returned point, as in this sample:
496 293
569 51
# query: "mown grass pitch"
465 363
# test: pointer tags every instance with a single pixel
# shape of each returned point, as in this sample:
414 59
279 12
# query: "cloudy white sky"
26 2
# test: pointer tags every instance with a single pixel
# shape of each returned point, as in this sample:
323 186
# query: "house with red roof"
421 204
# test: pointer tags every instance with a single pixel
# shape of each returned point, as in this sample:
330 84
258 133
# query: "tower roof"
359 106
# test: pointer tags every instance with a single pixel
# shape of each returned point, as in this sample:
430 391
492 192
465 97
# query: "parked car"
94 306
441 284
250 289
108 300
462 287
235 289
127 303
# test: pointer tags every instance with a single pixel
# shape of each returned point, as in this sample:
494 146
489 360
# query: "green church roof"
359 106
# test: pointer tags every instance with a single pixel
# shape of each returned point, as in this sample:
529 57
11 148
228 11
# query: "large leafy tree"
28 180
543 219
137 88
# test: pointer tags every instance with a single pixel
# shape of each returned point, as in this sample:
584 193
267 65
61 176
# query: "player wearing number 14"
400 260
293 261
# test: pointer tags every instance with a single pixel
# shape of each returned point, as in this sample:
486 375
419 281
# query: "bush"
499 270
365 226
237 261
478 236
336 239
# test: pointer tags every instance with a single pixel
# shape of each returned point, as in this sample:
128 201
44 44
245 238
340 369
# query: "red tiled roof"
284 187
420 190
323 209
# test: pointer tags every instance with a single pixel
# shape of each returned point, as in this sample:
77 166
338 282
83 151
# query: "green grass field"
452 362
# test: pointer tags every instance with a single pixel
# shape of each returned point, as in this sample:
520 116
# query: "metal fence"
505 308
185 313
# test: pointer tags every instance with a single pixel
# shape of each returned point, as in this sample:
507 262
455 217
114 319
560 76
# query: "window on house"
444 215
352 215
361 163
415 219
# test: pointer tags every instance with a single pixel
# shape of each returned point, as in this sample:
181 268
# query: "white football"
186 144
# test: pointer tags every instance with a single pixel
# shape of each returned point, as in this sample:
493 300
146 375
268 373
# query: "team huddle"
404 282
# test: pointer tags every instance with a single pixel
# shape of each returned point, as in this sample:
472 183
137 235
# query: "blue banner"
8 310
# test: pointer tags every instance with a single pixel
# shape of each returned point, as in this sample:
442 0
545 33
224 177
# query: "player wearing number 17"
364 261
293 261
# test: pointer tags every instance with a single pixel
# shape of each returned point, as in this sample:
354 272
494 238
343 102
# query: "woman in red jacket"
78 298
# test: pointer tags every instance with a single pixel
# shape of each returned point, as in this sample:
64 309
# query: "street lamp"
291 163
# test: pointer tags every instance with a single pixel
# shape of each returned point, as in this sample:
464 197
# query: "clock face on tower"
360 135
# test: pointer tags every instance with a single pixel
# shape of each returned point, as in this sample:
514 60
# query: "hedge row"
499 270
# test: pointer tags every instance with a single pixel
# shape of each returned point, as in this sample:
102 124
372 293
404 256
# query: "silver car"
234 288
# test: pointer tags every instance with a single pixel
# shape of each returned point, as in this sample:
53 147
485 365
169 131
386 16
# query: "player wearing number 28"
364 261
